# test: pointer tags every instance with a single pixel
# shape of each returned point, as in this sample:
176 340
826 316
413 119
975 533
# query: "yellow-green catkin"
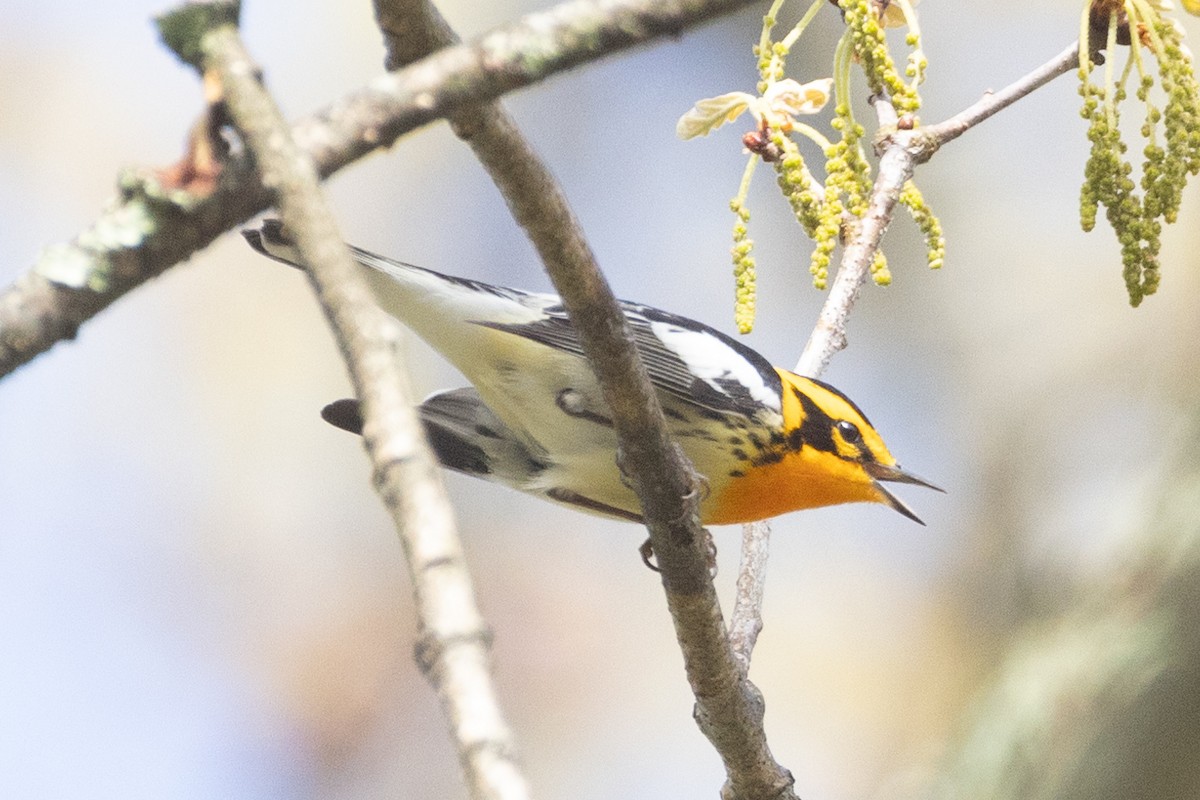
871 49
854 173
796 183
826 235
879 270
935 242
847 189
1137 218
825 210
1107 183
743 269
1165 173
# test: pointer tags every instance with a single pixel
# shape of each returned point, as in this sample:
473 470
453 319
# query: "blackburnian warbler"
766 440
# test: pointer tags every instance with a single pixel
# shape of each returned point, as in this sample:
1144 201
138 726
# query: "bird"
764 440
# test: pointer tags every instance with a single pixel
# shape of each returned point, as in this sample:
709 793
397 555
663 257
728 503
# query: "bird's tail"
456 316
464 434
271 242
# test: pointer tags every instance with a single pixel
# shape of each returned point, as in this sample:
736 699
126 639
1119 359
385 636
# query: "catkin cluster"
827 210
1137 209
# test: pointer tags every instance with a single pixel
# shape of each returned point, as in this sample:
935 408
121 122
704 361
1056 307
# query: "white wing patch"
715 362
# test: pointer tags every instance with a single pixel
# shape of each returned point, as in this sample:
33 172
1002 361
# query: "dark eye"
849 431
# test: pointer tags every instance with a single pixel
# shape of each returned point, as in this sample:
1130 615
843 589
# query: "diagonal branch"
896 165
154 225
993 102
902 151
454 650
728 707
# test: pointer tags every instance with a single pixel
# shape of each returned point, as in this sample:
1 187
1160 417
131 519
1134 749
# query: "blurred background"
201 596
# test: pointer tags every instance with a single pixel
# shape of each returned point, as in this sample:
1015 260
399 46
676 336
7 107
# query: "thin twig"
745 623
154 226
829 336
902 151
950 129
412 30
454 650
498 62
728 707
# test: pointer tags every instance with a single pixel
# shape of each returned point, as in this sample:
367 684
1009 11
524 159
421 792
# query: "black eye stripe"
817 432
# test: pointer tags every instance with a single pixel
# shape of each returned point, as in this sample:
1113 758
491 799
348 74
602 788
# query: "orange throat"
796 482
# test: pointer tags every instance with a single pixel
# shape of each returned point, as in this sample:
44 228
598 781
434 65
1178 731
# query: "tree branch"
156 223
900 157
901 152
728 707
454 650
745 623
990 103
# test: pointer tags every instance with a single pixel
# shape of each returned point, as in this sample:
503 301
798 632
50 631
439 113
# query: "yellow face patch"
829 421
817 461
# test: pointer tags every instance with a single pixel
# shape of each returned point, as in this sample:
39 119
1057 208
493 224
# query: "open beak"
893 474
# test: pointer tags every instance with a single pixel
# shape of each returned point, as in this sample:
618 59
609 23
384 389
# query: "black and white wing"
688 360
